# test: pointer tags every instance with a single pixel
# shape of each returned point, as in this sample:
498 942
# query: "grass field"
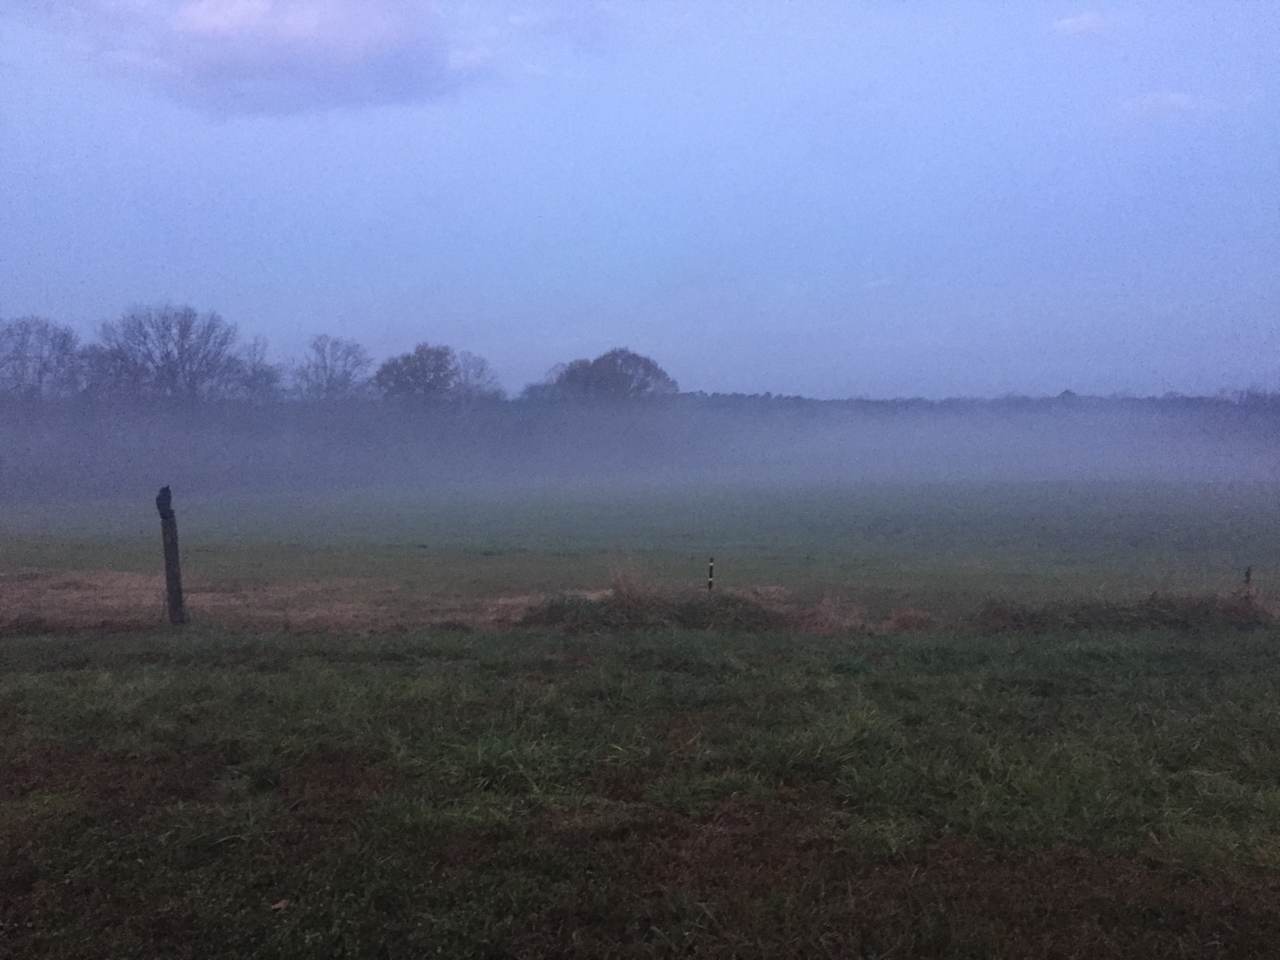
319 766
940 548
688 794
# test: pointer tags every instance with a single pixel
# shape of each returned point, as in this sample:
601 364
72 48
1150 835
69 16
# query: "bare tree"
476 380
170 352
257 379
107 373
333 369
39 359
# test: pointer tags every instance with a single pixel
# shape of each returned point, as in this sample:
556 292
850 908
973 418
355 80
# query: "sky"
810 197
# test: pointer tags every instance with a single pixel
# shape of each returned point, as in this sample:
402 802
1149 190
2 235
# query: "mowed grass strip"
1079 793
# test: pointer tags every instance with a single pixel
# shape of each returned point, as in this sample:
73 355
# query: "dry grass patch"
34 602
655 610
1158 611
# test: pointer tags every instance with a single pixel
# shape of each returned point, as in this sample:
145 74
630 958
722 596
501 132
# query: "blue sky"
829 198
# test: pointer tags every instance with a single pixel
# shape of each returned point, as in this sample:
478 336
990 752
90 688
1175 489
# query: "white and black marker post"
172 569
711 573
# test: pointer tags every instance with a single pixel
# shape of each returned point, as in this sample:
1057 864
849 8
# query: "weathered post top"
164 503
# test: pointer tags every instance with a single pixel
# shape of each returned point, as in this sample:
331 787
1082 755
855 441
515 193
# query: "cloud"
288 56
1082 24
1168 104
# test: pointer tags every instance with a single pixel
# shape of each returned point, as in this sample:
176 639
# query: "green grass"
1111 794
1066 770
941 547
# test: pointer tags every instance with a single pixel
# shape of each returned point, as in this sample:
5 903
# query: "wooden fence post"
172 569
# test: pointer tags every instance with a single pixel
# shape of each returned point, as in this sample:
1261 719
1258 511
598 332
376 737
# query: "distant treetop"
175 353
39 359
333 369
437 373
619 374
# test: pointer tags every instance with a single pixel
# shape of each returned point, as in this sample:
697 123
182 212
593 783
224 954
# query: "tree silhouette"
426 373
333 369
475 379
169 352
39 359
619 374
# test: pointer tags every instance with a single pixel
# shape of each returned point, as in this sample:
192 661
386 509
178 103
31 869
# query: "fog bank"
48 451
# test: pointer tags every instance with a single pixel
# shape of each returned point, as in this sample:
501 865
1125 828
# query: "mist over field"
52 452
167 396
628 479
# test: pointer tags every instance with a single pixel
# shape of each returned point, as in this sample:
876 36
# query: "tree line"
178 354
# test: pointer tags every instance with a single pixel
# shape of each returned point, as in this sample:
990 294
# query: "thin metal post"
711 573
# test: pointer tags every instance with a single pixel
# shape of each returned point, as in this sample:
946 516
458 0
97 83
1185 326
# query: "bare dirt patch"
112 783
34 602
332 786
1209 611
109 793
761 869
40 602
